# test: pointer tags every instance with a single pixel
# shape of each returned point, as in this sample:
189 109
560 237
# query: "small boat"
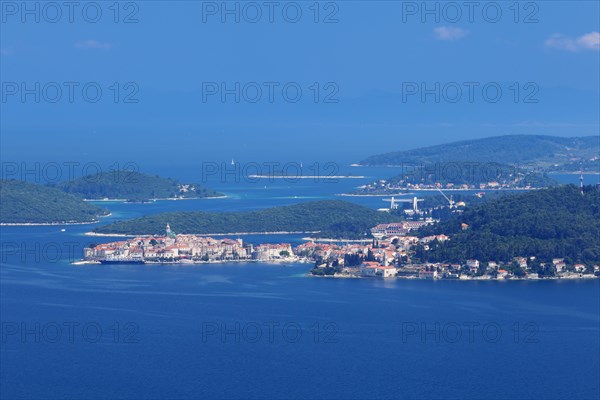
63 230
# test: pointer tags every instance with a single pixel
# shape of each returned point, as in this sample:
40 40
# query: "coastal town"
173 248
388 255
386 186
458 176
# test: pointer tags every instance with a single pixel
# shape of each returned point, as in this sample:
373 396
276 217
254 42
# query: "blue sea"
268 331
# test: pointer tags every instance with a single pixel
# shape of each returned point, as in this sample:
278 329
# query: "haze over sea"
269 331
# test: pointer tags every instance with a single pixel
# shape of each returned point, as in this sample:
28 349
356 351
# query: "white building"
425 274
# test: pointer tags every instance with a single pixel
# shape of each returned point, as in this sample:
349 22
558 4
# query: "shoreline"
372 195
198 234
53 223
106 200
46 223
328 240
573 173
291 177
288 262
408 164
435 190
415 278
294 261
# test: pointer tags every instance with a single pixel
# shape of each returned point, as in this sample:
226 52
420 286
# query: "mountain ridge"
550 152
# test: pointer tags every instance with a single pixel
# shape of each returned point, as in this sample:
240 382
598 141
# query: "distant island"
550 153
328 218
133 187
459 176
24 203
516 162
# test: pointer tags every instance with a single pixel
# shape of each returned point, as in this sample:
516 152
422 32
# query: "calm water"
268 331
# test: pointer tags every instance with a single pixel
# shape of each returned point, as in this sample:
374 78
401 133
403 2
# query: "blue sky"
373 63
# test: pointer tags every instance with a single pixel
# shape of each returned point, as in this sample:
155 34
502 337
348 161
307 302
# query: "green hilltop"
332 218
29 203
133 186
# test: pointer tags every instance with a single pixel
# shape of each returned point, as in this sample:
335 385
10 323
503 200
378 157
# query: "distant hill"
133 186
460 175
332 218
22 202
550 152
548 223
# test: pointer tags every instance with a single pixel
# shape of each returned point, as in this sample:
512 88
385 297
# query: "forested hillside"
22 202
548 223
331 218
128 185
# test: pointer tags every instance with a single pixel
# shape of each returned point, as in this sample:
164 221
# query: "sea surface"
268 331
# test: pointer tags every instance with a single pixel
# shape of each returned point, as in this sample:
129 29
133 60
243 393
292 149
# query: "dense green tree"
370 256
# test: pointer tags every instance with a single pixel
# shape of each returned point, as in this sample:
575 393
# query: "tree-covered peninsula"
29 203
557 222
133 186
331 218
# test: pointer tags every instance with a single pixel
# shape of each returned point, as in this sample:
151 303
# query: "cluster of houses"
390 257
385 252
519 267
185 248
396 228
470 270
385 186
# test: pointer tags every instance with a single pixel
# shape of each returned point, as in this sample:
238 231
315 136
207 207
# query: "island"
133 186
24 203
550 153
514 162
